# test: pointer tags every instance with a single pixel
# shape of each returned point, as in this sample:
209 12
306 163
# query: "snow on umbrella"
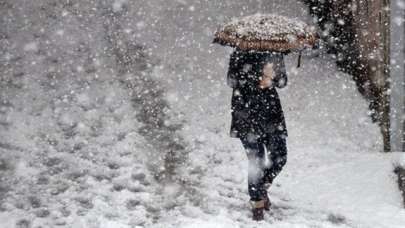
266 32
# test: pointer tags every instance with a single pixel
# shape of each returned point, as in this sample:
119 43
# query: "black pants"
266 160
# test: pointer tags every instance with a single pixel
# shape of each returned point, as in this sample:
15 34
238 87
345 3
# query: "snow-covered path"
334 176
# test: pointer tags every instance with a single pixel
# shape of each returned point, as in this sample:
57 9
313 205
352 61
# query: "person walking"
256 69
258 119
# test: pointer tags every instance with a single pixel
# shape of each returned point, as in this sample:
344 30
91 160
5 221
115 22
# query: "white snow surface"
73 151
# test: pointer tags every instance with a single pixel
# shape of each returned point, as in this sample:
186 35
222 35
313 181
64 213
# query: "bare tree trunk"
371 20
358 33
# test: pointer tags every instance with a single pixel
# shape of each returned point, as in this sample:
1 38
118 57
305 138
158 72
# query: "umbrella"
267 32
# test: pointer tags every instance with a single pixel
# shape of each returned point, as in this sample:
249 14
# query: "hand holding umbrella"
268 76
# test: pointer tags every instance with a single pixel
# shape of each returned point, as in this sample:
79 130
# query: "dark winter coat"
256 112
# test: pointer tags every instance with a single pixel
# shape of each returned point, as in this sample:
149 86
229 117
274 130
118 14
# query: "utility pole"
397 74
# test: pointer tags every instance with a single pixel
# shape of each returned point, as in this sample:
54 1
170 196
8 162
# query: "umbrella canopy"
266 32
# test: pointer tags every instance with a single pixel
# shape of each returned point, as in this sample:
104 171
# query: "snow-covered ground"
87 119
334 176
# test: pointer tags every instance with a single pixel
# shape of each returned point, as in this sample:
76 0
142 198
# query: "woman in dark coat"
258 119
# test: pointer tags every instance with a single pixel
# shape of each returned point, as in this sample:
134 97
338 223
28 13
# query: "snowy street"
330 179
102 126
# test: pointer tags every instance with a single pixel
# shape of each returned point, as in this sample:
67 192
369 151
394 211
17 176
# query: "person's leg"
256 154
277 153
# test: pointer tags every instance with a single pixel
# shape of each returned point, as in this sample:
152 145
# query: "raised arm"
274 71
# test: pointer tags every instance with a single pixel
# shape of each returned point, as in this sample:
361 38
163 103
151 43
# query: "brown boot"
257 210
267 203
